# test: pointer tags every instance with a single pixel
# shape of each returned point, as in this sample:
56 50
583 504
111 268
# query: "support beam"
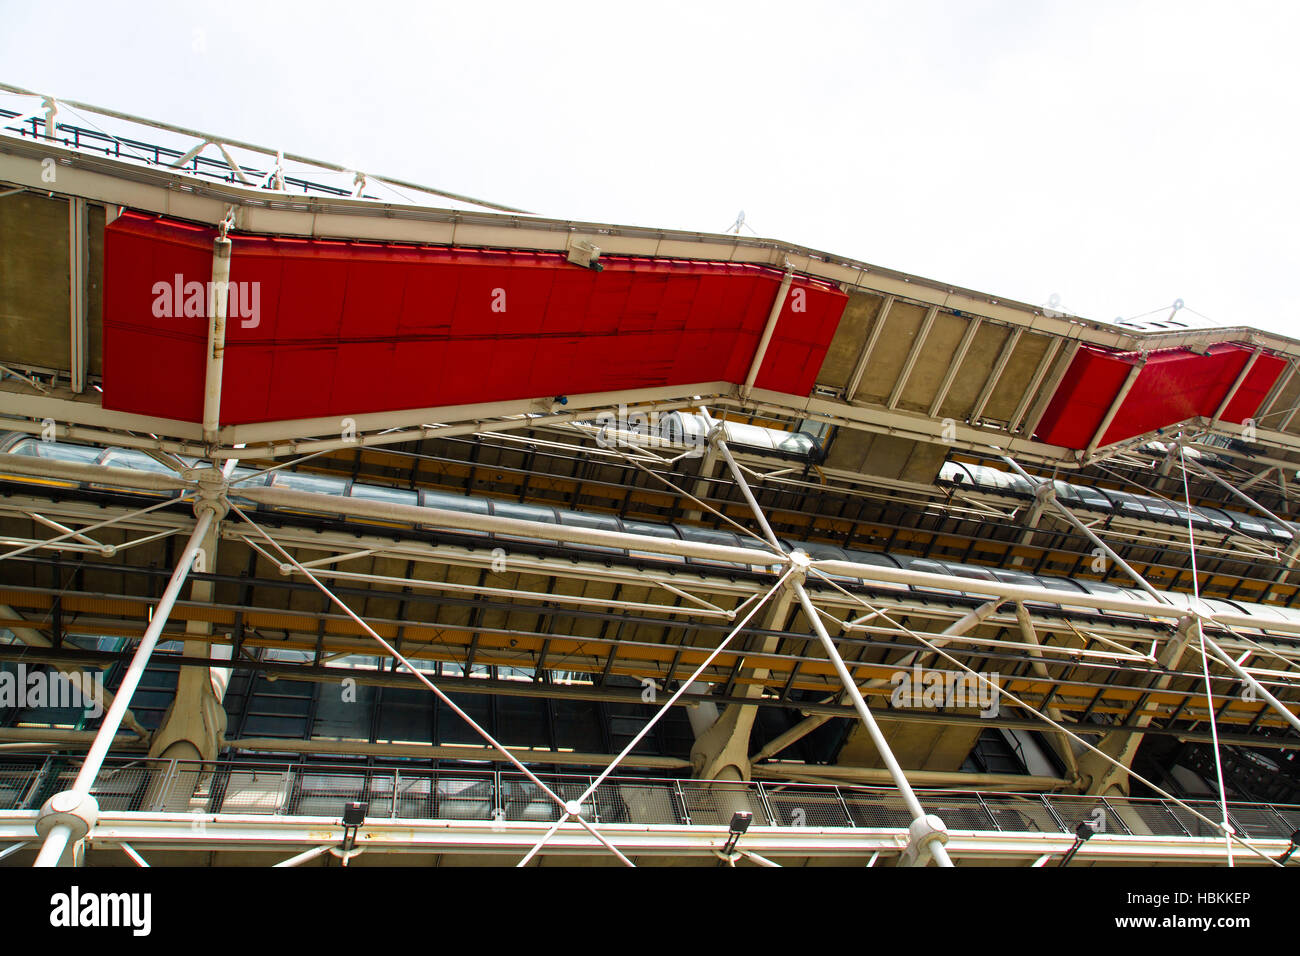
78 292
927 833
995 374
954 364
1115 404
1048 390
85 686
218 300
918 344
1231 489
809 724
1049 354
58 837
1030 635
1236 386
773 316
864 357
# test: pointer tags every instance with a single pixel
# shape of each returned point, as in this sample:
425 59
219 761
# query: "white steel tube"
761 352
864 712
218 299
99 474
57 839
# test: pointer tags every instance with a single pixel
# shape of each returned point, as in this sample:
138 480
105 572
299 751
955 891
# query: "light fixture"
740 821
354 815
1082 834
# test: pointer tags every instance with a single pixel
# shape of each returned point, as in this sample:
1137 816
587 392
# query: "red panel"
1083 397
1174 385
345 328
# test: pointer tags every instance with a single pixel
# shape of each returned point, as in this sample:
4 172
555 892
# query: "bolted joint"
923 832
79 812
800 562
212 491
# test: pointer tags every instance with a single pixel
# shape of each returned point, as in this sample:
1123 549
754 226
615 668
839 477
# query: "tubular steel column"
923 824
75 808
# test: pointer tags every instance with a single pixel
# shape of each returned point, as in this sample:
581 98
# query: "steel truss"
928 835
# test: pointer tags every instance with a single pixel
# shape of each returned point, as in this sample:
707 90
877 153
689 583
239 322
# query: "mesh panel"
1146 817
1291 815
524 800
1258 822
15 782
1192 824
255 791
115 788
806 806
1089 810
959 811
877 810
1022 814
713 804
639 802
323 795
455 797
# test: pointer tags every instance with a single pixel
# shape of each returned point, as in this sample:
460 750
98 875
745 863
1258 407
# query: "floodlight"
354 813
1082 834
740 821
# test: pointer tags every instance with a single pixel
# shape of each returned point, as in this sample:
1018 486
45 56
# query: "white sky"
1117 155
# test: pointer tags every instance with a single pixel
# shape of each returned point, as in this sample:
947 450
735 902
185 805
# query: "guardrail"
295 789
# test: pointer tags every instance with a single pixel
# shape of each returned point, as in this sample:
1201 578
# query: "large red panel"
1081 400
345 328
1173 386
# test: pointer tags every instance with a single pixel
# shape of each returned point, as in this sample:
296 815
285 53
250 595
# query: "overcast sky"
1117 156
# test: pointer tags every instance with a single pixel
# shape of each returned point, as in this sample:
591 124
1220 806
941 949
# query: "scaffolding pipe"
864 712
99 474
1247 499
715 434
57 840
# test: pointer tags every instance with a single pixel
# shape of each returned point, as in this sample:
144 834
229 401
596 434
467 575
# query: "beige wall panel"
34 324
901 326
975 369
933 362
1016 377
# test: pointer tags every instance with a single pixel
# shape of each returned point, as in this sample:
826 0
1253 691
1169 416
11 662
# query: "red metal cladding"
323 328
1175 385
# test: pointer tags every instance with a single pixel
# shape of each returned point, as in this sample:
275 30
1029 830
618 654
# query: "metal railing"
153 154
321 790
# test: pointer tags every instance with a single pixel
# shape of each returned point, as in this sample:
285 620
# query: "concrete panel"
901 326
1016 377
34 281
917 746
984 350
924 462
933 362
